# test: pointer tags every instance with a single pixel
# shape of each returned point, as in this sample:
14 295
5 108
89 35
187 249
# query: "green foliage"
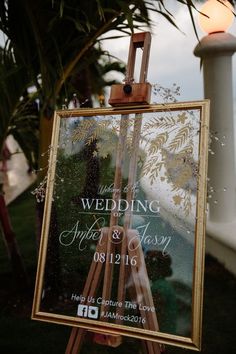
54 39
50 38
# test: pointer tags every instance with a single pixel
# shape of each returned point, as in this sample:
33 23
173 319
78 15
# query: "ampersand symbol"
116 235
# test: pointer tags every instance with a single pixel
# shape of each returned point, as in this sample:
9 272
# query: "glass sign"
122 248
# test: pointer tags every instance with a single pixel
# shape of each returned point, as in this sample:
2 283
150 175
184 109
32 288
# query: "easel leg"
77 334
142 286
75 341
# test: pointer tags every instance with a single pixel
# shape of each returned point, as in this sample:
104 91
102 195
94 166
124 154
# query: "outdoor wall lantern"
216 16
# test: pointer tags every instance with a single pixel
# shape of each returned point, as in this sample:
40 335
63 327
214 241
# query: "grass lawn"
20 335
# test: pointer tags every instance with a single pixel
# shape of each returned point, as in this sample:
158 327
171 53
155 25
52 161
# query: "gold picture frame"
122 246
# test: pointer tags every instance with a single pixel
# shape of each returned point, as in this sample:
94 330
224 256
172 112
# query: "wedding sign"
122 248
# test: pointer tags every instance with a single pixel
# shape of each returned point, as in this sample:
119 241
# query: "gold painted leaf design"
82 131
182 117
104 132
90 130
180 139
187 202
151 165
99 129
158 142
154 172
186 151
177 199
106 147
160 123
152 169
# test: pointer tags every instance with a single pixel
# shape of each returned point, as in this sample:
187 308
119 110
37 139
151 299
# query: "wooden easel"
122 240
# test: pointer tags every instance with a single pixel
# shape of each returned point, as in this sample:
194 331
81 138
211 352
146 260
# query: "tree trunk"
12 248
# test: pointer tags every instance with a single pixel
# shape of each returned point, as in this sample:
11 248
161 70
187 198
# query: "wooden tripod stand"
122 241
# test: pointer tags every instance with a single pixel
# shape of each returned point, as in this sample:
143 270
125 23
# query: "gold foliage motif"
170 156
89 130
158 142
177 199
187 202
104 132
166 147
160 123
180 139
187 151
182 117
183 199
152 170
81 132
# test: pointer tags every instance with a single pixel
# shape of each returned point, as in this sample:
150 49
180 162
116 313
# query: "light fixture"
218 16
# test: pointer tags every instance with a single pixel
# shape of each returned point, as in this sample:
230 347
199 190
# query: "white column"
216 52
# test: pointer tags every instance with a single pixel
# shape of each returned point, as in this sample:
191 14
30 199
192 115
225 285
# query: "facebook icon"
82 311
